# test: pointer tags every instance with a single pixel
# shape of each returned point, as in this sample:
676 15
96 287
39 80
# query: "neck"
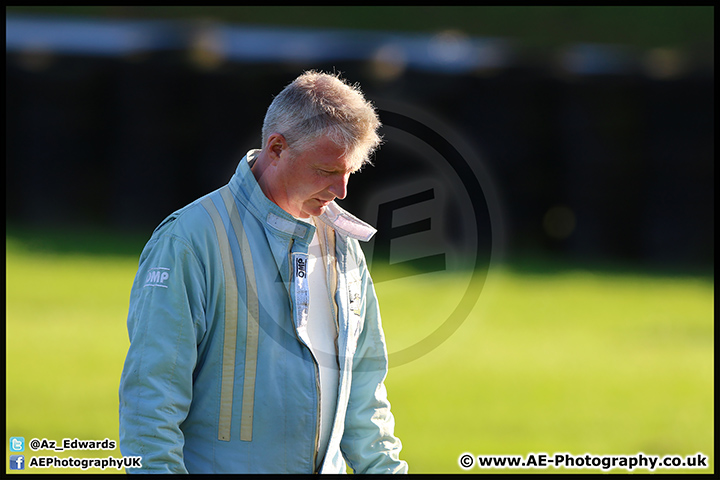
265 174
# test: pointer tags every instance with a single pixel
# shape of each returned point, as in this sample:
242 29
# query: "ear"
275 146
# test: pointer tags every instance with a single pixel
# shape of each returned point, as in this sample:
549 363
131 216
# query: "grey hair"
320 104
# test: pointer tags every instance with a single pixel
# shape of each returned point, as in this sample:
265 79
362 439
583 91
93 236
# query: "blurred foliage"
74 240
534 26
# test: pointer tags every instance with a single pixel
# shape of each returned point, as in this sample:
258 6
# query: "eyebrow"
334 170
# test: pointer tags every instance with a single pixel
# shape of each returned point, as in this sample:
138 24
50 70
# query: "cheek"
303 192
314 185
304 186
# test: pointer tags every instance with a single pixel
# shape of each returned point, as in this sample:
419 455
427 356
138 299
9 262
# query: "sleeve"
369 443
165 324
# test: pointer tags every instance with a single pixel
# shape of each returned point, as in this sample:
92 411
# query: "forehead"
328 155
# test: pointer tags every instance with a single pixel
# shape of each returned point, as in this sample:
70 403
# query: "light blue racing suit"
219 377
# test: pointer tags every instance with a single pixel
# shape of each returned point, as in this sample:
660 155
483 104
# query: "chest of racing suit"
219 377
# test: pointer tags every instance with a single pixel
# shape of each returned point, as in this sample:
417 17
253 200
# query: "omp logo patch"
302 292
157 277
301 267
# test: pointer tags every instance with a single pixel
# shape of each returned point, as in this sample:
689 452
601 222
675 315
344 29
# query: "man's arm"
165 324
369 443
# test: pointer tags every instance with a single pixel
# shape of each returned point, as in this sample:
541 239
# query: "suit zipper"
315 362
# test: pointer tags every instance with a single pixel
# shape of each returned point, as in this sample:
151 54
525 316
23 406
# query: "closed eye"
329 173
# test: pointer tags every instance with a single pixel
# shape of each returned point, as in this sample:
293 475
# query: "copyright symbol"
466 460
34 444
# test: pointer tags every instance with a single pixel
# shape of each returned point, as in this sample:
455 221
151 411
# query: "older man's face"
314 178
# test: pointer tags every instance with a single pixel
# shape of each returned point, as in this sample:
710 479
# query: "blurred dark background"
596 123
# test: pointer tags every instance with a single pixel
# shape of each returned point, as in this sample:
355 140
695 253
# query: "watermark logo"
437 213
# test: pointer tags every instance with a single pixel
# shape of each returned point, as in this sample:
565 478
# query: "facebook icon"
17 462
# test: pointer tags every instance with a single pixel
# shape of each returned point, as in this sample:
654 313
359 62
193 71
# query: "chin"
314 212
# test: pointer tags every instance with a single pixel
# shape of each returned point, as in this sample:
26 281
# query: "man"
255 335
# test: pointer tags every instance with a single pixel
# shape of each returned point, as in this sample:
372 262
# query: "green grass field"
561 360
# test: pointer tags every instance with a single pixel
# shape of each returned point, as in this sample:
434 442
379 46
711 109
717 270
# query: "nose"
339 186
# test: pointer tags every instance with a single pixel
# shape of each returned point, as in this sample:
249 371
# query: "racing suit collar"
244 186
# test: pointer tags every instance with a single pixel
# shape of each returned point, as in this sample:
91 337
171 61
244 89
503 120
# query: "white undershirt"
322 330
